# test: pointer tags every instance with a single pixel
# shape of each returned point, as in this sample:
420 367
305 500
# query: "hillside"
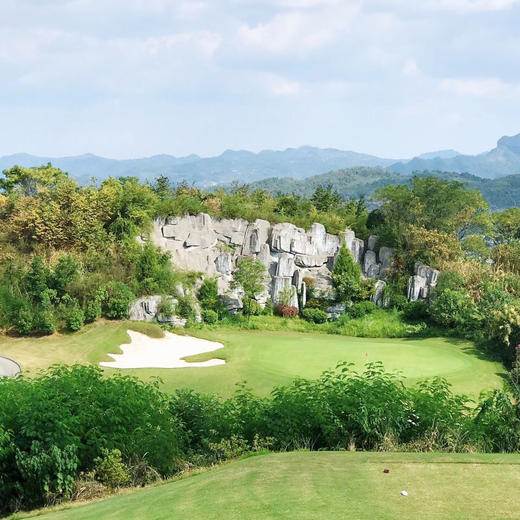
498 162
227 167
293 163
353 183
327 485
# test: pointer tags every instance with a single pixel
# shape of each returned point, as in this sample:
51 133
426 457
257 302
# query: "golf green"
267 358
328 486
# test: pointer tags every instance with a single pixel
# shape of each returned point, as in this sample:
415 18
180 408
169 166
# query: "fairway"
327 486
266 358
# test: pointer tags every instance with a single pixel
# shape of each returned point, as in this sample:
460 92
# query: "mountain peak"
512 143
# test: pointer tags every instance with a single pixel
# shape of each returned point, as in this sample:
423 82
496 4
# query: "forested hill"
502 160
352 183
227 167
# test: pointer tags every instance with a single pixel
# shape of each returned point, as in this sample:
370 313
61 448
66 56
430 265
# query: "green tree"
27 181
506 225
346 277
325 198
249 276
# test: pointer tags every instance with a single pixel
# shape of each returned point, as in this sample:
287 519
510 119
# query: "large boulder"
386 257
144 308
370 266
416 288
285 267
256 235
310 260
427 272
378 295
224 263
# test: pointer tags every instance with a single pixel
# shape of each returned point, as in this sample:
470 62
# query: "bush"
415 311
358 310
45 321
23 320
208 316
314 315
396 301
74 318
92 310
251 308
116 297
286 311
453 308
346 277
110 470
268 309
186 308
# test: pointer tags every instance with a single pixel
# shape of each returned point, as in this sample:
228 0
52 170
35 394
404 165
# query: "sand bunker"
167 352
8 367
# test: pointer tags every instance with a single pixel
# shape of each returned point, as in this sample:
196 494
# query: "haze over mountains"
296 163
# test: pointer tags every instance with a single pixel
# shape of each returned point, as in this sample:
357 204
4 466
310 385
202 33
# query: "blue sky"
129 78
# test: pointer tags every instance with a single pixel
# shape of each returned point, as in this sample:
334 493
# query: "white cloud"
479 87
297 30
280 86
410 68
468 6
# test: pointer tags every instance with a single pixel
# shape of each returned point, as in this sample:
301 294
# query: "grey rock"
358 250
427 272
378 296
310 260
336 310
144 309
415 285
372 242
386 257
285 265
224 263
370 266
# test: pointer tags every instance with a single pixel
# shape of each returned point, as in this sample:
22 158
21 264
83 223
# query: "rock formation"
421 284
290 254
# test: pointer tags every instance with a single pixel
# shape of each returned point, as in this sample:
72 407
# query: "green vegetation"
71 428
266 358
327 486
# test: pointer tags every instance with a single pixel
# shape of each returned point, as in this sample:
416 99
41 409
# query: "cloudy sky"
129 78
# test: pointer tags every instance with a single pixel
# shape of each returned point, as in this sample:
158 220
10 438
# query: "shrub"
209 316
346 277
110 470
92 310
251 308
449 280
186 308
23 320
74 318
117 297
268 309
453 308
358 310
45 321
415 311
286 311
314 315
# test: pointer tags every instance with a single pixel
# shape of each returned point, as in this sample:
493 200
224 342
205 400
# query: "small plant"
92 310
110 469
74 318
208 316
286 311
251 308
166 307
358 310
314 315
185 308
415 311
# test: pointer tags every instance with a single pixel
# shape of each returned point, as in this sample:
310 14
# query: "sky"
133 78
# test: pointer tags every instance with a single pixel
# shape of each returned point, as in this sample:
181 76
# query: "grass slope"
267 358
328 486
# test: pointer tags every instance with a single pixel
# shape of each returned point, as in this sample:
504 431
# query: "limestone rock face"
421 284
370 266
224 263
372 242
147 309
378 296
289 253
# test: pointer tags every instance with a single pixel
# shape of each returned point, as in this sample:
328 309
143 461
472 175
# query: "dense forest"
500 193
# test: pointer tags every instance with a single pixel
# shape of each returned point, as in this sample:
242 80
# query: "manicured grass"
328 486
267 358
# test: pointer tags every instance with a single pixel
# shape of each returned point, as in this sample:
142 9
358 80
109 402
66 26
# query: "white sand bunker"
167 352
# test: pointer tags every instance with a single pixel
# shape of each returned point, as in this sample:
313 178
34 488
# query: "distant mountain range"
296 163
352 183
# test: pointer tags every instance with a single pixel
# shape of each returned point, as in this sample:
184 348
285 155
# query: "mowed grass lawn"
266 358
327 486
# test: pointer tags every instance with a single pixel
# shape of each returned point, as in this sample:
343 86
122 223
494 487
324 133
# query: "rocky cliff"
290 254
